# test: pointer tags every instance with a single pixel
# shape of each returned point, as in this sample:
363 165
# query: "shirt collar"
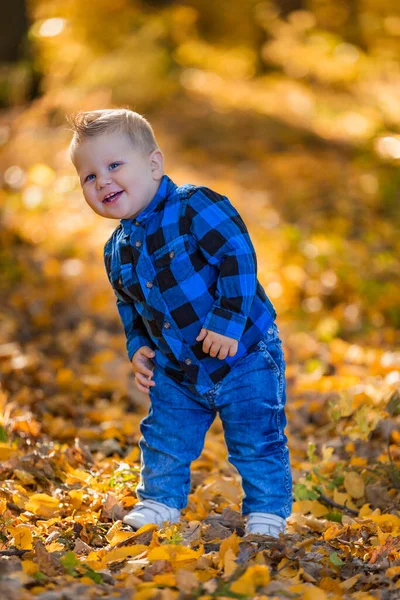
165 189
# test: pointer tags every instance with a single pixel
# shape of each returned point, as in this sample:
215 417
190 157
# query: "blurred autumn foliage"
292 110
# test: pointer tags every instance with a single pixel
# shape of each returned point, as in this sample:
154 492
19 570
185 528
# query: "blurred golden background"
291 108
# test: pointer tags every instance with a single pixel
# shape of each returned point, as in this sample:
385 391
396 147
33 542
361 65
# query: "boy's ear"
157 164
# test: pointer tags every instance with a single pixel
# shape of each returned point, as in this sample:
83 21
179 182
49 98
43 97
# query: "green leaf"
334 516
69 562
335 559
96 577
311 451
3 434
301 492
336 482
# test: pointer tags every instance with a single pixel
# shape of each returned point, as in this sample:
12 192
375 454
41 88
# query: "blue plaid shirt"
186 262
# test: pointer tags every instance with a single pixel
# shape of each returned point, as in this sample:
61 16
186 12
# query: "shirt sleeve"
224 241
135 330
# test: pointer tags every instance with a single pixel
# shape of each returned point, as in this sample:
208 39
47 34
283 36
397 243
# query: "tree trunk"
13 29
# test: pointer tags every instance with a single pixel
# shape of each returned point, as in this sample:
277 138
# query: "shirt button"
188 361
172 254
138 244
149 284
167 325
270 330
137 223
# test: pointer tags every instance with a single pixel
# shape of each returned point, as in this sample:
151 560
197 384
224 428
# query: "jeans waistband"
271 333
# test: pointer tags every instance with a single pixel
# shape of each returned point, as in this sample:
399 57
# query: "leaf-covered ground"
70 415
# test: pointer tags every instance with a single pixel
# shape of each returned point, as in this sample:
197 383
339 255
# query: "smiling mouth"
112 199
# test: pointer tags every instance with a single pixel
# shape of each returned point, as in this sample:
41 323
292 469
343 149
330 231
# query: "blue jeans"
250 401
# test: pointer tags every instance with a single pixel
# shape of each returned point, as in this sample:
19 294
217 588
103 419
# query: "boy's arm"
225 242
135 331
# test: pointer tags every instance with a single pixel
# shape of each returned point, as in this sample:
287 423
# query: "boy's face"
117 179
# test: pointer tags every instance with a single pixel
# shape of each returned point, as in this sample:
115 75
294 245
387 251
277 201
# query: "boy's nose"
103 181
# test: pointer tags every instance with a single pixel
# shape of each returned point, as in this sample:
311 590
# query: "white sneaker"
150 511
265 524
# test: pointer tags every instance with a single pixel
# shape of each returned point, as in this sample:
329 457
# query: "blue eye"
88 177
114 164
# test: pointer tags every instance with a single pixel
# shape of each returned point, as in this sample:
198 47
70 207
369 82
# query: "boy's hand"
143 368
216 343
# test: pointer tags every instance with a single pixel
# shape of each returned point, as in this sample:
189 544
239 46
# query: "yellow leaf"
6 451
255 576
94 560
354 484
313 506
86 580
332 532
115 535
47 523
327 453
232 542
22 537
330 585
133 455
128 501
365 510
113 530
167 579
386 519
318 509
340 497
43 505
203 576
76 498
302 506
346 585
229 562
358 461
121 536
196 511
147 527
3 505
122 553
29 567
77 476
175 554
55 547
314 593
145 594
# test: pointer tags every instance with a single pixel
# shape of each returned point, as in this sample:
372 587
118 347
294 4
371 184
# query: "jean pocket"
272 351
271 346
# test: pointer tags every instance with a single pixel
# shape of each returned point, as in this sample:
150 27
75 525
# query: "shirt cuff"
225 322
134 345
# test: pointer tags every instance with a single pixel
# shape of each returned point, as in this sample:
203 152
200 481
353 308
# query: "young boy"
200 330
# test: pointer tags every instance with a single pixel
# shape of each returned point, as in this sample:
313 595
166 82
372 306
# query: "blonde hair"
97 122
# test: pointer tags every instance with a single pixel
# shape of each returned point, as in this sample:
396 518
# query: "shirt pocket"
172 262
124 281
